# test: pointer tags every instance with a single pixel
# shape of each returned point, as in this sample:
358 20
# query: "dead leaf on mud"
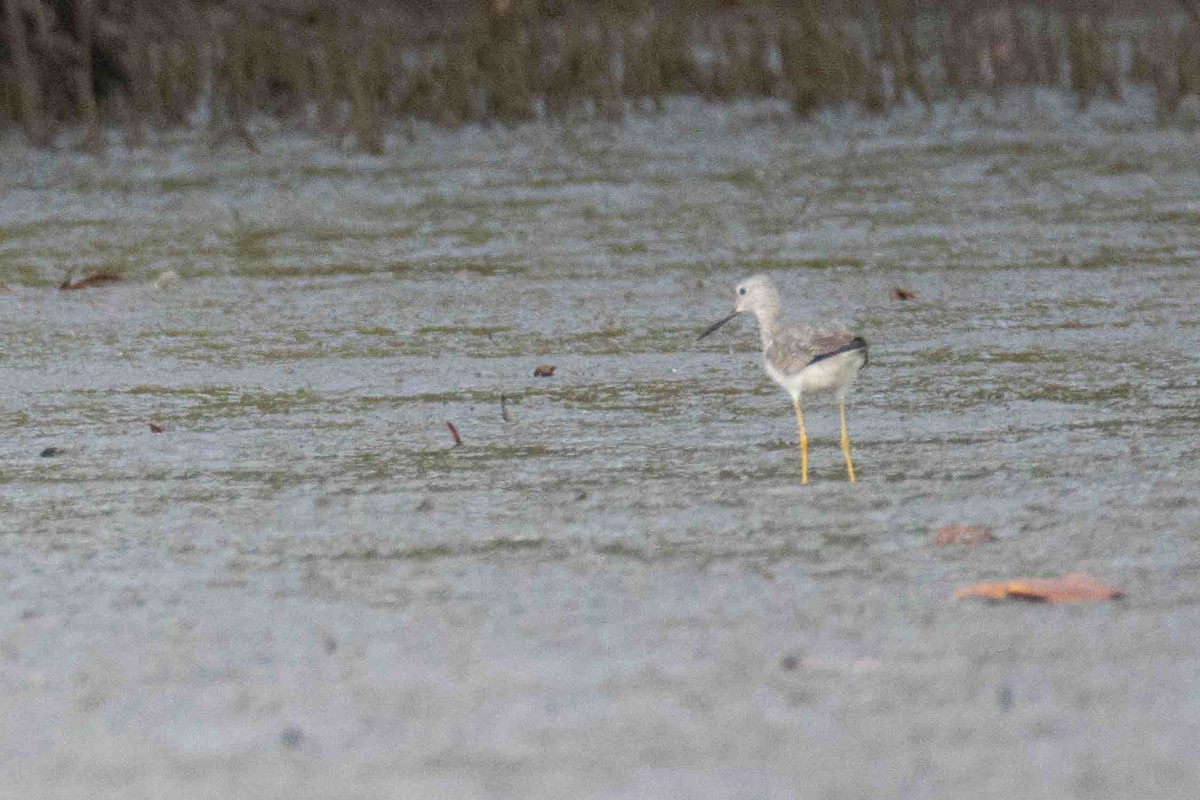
900 293
1076 587
543 371
454 432
964 534
98 279
156 428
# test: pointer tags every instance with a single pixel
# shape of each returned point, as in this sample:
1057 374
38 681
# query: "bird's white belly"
829 374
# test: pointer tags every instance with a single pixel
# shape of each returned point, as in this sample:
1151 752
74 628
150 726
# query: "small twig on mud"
243 134
504 408
99 279
454 433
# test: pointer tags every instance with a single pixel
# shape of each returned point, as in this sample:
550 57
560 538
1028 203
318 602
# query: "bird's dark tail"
859 343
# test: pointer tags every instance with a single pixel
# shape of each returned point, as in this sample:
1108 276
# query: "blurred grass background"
352 71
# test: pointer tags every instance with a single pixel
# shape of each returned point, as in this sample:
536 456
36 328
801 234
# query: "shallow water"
301 588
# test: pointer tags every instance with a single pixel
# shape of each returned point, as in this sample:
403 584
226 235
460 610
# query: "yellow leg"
846 439
803 441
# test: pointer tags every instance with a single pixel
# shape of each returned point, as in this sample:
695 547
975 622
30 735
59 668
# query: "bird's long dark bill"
713 328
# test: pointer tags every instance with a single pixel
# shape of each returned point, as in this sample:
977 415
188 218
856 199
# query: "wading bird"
802 359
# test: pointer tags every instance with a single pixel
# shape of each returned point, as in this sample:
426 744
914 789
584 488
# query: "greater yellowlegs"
802 359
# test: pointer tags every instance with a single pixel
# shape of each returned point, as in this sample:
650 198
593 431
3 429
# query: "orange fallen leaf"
964 534
1077 587
454 433
900 293
98 279
543 371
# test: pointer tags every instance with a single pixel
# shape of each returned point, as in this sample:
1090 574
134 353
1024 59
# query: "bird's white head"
757 295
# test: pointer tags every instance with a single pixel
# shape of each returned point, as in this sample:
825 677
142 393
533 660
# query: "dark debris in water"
51 452
291 738
543 371
1004 698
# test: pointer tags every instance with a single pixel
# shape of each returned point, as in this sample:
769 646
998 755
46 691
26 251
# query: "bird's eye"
741 290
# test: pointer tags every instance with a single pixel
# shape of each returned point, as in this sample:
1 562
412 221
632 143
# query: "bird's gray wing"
792 348
795 347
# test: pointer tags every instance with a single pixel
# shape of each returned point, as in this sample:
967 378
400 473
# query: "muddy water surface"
301 588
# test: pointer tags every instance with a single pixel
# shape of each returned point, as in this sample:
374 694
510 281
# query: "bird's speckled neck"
768 323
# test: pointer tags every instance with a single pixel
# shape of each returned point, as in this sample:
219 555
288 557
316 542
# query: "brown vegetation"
352 71
963 534
1076 587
